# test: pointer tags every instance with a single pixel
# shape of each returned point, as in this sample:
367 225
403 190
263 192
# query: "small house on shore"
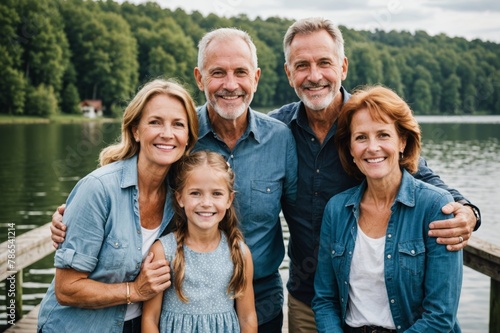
91 108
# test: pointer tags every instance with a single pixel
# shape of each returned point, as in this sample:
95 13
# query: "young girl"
212 267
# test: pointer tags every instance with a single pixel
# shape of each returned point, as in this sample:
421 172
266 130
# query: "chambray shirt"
104 239
422 278
320 177
264 161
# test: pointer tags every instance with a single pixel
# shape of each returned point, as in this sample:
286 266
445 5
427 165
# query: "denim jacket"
320 177
423 279
264 161
104 239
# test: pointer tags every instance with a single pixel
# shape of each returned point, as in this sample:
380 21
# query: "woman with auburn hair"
378 270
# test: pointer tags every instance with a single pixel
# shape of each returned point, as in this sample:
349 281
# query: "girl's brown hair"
229 224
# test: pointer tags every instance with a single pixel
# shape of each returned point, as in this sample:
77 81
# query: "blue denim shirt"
104 239
265 164
423 279
320 177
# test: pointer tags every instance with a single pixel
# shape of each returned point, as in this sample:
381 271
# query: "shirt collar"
300 114
129 172
406 193
205 127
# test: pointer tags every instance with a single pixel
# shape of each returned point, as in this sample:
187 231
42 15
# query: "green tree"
368 65
45 48
12 82
41 101
104 52
421 102
70 99
268 78
450 101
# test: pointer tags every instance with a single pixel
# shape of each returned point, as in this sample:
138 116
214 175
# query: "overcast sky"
469 19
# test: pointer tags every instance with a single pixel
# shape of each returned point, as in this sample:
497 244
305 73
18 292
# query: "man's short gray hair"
224 34
309 25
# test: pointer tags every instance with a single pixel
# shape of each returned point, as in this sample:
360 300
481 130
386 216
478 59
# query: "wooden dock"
34 245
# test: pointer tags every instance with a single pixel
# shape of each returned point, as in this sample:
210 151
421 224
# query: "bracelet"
128 294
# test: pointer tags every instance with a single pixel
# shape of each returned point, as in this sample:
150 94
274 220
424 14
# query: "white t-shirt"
368 300
148 237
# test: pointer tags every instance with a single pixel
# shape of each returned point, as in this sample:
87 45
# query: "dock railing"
17 253
36 244
484 257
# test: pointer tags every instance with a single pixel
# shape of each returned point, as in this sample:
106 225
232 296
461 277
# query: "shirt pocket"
412 256
266 196
113 253
337 251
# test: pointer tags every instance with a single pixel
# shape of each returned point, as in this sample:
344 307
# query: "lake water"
40 164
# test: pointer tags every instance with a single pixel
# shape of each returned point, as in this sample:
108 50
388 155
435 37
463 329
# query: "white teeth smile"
206 214
315 88
230 97
375 160
165 147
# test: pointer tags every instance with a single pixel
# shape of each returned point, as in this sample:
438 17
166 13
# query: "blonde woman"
115 213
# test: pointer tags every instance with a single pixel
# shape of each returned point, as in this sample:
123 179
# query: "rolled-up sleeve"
85 216
69 258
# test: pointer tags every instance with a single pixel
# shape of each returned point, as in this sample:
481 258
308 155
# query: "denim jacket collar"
129 172
406 192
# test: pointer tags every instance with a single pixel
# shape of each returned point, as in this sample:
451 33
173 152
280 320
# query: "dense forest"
55 53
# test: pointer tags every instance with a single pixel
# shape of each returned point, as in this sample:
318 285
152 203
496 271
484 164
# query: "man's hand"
58 229
455 232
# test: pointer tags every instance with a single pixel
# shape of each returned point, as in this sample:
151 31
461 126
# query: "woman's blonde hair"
384 105
229 223
127 146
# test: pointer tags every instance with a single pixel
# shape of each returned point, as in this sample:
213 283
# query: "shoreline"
62 119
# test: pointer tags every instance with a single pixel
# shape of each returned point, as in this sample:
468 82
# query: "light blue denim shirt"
423 279
265 164
104 239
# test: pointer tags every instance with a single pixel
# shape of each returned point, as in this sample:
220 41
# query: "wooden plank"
494 306
27 324
483 257
30 247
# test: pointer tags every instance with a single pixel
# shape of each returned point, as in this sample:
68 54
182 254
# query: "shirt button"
139 248
399 327
389 256
312 139
138 231
412 251
345 282
232 156
333 251
137 265
392 301
317 170
116 244
389 235
268 190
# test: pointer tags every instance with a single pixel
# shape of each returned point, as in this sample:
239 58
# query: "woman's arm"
74 288
245 305
442 283
151 308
